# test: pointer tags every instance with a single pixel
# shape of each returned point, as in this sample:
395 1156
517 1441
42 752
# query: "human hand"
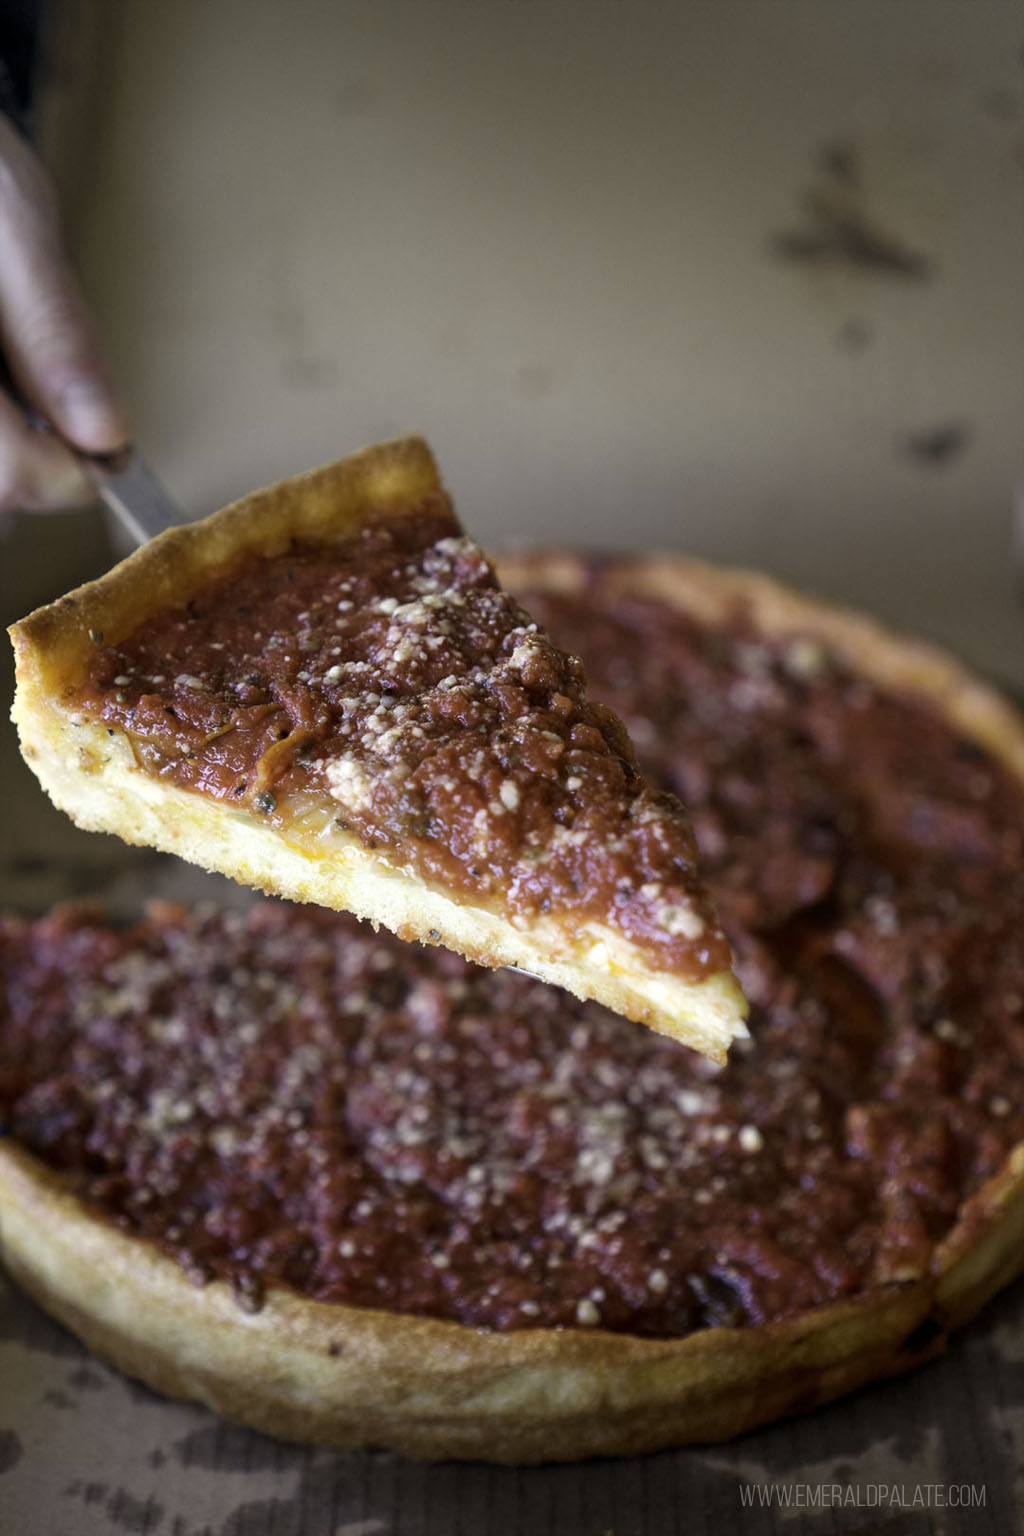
49 347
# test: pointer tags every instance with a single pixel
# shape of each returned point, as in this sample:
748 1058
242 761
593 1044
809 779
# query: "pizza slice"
323 691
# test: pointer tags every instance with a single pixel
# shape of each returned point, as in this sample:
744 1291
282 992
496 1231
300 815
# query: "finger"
45 327
37 471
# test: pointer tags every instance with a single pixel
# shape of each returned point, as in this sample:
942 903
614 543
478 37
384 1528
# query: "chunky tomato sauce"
393 676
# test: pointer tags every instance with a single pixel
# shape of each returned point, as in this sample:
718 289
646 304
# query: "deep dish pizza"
347 1189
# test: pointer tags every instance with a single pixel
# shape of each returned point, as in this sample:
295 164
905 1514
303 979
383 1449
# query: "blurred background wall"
744 278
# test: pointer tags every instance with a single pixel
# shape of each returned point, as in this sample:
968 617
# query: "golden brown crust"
342 1376
325 502
92 772
307 1370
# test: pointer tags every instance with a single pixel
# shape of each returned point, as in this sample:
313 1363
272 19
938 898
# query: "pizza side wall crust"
309 1371
306 1370
91 772
713 594
96 780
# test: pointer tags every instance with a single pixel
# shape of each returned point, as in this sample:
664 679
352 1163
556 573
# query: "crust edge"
309 1371
330 498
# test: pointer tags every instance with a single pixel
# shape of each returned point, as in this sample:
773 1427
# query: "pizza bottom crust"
90 771
310 1371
